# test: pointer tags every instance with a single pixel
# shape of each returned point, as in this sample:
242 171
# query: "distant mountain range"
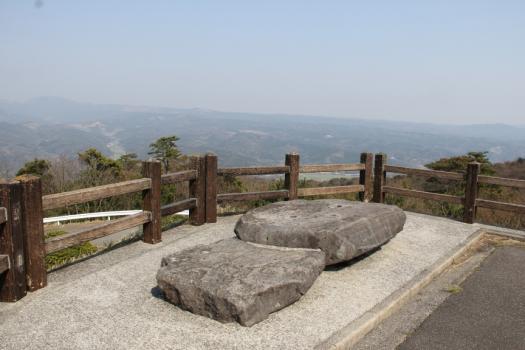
47 127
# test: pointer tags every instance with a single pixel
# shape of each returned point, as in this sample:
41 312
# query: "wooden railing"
500 181
4 258
471 178
22 213
292 170
23 248
364 188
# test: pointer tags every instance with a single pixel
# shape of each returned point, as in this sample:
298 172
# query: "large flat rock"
232 280
340 228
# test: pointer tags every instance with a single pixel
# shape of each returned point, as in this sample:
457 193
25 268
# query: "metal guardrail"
105 214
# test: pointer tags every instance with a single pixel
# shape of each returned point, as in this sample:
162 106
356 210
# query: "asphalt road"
488 313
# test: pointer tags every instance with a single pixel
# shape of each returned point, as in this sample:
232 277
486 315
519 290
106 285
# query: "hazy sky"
453 61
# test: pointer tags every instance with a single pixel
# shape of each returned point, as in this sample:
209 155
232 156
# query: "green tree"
129 161
452 187
38 167
98 162
459 163
101 170
165 150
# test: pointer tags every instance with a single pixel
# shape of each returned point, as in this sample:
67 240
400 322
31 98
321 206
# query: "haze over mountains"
48 127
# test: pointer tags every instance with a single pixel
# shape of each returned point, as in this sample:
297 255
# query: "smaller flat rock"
340 228
232 280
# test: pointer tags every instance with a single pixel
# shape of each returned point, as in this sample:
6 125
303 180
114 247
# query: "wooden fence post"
33 226
151 202
291 179
366 177
471 192
379 178
211 188
12 281
198 191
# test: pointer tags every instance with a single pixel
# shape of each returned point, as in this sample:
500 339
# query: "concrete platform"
111 301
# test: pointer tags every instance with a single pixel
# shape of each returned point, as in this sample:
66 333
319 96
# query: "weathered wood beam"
32 215
291 179
471 192
176 207
248 196
3 215
13 284
328 168
259 170
379 177
64 199
179 176
424 172
151 202
211 188
198 191
318 191
423 195
4 263
492 180
61 242
366 177
485 203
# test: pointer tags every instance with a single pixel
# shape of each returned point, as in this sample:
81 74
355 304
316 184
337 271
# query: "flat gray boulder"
232 280
340 228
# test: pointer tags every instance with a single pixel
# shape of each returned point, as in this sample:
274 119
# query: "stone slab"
232 280
342 229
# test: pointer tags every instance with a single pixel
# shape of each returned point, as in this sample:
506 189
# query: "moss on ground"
454 289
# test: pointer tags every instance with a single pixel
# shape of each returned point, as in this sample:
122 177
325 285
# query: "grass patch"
453 289
67 255
171 221
70 254
54 233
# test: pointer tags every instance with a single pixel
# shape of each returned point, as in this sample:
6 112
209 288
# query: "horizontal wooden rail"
61 242
176 207
3 215
248 196
328 168
261 170
64 199
424 195
317 191
4 263
502 181
179 176
485 203
424 172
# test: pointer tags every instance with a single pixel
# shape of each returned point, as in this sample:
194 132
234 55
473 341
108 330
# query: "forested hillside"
52 127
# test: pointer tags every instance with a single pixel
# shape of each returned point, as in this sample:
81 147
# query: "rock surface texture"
340 228
232 280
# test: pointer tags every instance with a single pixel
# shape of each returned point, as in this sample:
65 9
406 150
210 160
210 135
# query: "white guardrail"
105 214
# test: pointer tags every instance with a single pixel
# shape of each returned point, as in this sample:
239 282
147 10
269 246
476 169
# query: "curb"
348 336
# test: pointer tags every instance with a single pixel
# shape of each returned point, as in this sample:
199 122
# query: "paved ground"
111 301
488 313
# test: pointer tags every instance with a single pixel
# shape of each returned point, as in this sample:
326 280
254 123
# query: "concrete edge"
515 235
349 335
